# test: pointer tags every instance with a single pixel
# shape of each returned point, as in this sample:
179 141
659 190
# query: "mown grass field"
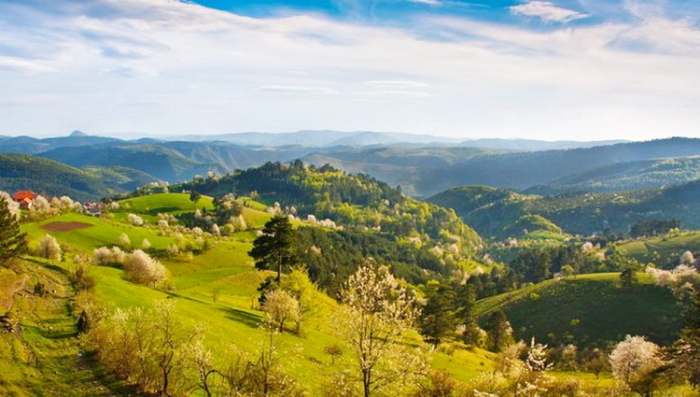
591 309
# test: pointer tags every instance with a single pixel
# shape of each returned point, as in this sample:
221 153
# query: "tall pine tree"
12 241
274 249
437 317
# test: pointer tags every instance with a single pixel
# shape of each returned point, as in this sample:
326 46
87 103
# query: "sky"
539 69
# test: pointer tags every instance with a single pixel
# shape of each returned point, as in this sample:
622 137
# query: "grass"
164 203
218 290
588 310
45 358
664 251
103 232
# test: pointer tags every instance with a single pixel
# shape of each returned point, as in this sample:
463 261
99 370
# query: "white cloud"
185 68
427 2
298 89
397 84
546 11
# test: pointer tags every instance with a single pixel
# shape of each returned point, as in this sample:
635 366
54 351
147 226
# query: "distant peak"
78 133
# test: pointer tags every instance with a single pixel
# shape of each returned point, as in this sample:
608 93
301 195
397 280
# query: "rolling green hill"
20 172
588 310
51 178
490 210
418 238
216 289
664 251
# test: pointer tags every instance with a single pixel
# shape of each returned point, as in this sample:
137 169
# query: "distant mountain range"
329 138
421 169
424 171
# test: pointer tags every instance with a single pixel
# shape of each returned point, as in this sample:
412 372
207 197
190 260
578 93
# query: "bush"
105 256
50 249
81 280
135 219
142 269
124 241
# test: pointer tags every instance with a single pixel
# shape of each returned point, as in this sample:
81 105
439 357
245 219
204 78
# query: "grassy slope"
217 290
606 312
44 359
662 250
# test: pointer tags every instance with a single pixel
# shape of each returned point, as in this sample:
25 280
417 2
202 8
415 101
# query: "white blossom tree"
141 268
135 219
635 362
376 313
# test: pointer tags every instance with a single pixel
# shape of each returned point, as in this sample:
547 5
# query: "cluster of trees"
331 256
653 227
154 351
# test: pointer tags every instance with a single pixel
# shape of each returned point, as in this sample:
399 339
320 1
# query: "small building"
92 208
24 198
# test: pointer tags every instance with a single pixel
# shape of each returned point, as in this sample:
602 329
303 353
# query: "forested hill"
431 170
492 210
20 172
51 178
356 201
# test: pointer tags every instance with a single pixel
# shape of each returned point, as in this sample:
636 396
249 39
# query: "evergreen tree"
465 302
437 318
12 241
500 331
628 277
274 249
195 196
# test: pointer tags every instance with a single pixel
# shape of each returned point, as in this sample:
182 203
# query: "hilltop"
377 220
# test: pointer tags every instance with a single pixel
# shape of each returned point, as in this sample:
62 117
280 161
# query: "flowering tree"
280 307
135 219
636 362
141 268
376 313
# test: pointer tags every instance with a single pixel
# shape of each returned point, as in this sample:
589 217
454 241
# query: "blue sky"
547 69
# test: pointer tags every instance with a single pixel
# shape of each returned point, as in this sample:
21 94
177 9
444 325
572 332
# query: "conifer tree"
12 241
437 317
274 250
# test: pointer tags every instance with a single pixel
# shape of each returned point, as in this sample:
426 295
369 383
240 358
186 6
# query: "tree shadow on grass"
249 319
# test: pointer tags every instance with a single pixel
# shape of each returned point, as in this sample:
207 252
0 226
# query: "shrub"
105 256
125 241
49 248
142 269
135 219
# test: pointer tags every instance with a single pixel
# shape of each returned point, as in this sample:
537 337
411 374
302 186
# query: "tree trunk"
366 380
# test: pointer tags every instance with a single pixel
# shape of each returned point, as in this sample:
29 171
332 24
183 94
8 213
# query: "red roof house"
23 195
